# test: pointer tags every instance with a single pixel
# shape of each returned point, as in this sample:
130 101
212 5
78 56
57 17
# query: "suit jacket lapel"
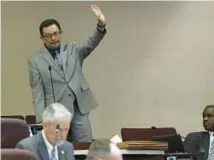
61 153
42 150
64 56
206 143
71 63
49 59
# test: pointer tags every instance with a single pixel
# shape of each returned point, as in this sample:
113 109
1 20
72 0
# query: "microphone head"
57 128
153 127
49 67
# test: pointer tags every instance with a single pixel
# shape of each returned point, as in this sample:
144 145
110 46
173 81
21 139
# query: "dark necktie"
53 154
58 61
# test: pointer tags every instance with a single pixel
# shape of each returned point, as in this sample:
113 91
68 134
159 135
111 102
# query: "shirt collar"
51 50
211 134
48 145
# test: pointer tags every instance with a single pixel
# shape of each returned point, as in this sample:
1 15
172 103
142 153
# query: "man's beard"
59 142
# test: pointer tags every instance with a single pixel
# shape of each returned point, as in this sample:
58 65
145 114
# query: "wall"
154 67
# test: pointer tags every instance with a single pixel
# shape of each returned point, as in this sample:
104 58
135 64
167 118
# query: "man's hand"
100 17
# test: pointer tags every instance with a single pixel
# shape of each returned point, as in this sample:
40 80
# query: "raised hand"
100 17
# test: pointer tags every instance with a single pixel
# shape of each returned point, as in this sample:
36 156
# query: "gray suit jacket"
71 77
203 139
37 145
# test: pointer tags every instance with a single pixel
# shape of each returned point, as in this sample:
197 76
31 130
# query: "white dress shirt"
211 139
30 132
49 146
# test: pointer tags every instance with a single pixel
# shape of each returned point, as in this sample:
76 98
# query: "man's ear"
44 124
41 37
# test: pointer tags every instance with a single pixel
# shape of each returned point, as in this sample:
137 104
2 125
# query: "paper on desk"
116 139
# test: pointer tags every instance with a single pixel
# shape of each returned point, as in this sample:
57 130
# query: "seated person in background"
103 150
50 143
204 139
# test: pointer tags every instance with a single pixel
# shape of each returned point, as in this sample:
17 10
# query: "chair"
13 131
144 134
81 145
14 154
13 116
30 119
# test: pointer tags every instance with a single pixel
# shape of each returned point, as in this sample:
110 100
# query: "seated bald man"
104 150
50 143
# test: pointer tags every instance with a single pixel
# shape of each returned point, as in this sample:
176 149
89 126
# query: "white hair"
102 148
54 111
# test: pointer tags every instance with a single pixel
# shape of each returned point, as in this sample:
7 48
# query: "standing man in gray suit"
50 143
203 141
62 63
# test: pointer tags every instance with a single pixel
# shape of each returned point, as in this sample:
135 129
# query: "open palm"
98 14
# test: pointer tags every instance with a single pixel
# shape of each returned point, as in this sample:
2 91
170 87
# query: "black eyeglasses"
55 34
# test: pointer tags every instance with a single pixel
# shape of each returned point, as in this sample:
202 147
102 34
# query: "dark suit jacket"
37 145
203 139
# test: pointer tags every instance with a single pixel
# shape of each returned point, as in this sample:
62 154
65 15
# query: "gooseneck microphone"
49 68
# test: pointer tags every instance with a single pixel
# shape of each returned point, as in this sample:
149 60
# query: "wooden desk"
148 154
127 152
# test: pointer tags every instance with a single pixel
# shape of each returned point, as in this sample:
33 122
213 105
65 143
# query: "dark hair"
209 106
48 22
